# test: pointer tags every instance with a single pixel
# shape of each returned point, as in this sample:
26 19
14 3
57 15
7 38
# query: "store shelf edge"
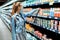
44 5
33 35
42 27
52 18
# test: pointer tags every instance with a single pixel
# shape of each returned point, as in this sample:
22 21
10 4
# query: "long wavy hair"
16 8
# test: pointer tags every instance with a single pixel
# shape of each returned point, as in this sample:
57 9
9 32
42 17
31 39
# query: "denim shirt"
18 23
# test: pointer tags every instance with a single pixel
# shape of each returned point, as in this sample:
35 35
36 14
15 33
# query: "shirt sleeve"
24 15
31 12
28 13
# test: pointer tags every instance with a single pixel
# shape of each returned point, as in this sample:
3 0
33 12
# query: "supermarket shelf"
51 33
47 5
43 27
47 18
33 35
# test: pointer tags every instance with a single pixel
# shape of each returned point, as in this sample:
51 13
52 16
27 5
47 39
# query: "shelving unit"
42 27
33 35
50 33
44 5
47 18
55 35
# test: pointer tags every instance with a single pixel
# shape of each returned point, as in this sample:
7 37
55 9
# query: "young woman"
18 21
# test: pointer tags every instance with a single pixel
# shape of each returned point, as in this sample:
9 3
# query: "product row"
45 12
36 2
36 32
30 37
49 12
48 24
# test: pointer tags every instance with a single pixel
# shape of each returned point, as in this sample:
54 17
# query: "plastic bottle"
55 25
56 12
48 24
59 27
45 23
51 12
52 24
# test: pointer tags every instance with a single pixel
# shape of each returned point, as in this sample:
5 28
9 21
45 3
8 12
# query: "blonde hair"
16 8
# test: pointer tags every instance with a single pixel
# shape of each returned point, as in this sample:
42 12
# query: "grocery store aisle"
4 32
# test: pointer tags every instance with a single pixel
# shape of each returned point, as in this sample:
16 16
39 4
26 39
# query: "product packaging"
46 12
35 20
59 13
38 34
29 28
38 21
51 12
44 1
48 24
59 27
41 22
56 12
52 24
44 37
44 23
55 25
51 2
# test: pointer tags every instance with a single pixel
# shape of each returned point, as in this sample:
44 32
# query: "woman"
18 21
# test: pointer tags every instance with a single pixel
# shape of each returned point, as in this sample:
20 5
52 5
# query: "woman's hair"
16 8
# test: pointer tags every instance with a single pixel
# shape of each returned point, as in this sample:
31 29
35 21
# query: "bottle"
56 12
48 24
52 24
51 2
59 13
55 25
44 12
59 27
36 33
41 22
44 23
40 35
51 12
44 37
38 21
